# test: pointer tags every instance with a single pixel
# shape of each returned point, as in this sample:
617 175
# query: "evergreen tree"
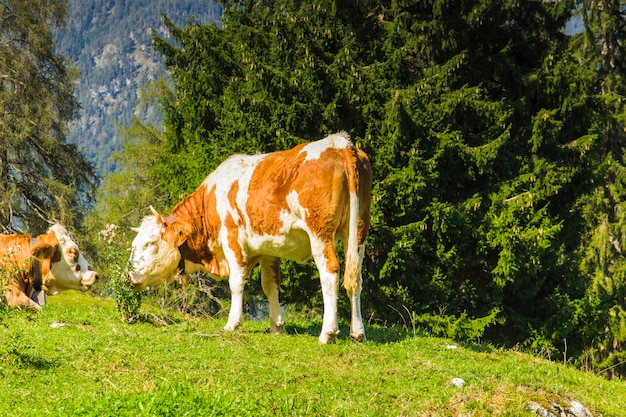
41 176
603 312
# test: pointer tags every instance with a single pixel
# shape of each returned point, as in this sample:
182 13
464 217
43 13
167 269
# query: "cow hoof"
278 328
359 337
231 327
328 337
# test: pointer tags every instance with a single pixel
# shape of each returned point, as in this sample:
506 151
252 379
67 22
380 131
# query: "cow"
50 263
256 209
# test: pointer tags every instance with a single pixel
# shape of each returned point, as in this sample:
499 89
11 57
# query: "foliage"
113 253
41 175
193 367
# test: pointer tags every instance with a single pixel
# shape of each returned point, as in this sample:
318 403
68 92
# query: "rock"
575 409
458 382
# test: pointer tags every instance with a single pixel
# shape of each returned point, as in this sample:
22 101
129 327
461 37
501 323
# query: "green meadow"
77 358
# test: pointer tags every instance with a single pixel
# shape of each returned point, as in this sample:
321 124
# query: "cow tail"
353 255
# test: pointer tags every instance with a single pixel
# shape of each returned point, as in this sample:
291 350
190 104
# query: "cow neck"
35 268
181 251
191 208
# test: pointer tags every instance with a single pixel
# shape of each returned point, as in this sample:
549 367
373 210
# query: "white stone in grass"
458 382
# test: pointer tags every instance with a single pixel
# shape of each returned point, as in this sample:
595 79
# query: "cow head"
63 266
155 254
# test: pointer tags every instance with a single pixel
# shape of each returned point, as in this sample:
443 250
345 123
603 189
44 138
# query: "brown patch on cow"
16 261
176 233
232 199
47 246
48 251
16 254
332 264
363 170
72 253
201 244
272 179
46 265
232 194
233 238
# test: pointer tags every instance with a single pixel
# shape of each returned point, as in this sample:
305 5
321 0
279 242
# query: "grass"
78 358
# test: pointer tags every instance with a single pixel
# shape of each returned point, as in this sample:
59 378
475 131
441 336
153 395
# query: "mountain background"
110 42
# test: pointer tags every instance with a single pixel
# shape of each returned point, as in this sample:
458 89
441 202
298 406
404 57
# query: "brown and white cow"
50 262
257 209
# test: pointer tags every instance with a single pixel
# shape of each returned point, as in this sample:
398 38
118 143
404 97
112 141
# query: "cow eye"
72 253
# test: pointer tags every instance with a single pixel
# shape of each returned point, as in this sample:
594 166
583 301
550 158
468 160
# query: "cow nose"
89 278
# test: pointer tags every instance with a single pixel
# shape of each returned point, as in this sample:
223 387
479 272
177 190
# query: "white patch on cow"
68 273
152 259
315 149
235 168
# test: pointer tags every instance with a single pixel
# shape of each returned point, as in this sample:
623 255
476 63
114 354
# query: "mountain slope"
110 43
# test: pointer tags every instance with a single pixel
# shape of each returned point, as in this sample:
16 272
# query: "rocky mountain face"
109 41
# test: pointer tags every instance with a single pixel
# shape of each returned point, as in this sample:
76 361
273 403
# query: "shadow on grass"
373 334
36 363
25 360
155 320
382 335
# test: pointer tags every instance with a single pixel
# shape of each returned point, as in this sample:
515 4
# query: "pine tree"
603 314
41 176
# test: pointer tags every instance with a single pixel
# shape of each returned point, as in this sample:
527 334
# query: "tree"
601 50
41 176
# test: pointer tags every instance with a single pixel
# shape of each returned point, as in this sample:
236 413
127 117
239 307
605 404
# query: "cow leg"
357 329
328 266
236 282
18 299
270 281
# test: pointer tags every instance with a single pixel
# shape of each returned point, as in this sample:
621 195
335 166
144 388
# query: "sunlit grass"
79 358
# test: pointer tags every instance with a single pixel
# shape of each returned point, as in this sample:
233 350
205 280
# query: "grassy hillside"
78 358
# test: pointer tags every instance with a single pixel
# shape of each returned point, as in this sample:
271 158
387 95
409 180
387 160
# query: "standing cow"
257 209
50 262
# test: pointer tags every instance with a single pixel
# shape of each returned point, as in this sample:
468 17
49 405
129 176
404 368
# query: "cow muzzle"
136 281
89 279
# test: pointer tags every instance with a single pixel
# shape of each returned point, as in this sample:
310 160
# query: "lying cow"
256 209
50 263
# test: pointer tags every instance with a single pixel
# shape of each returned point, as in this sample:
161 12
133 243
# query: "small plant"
127 300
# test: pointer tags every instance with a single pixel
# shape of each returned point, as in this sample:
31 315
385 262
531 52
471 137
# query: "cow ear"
46 246
176 233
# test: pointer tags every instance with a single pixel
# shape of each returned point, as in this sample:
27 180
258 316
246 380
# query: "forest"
496 138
